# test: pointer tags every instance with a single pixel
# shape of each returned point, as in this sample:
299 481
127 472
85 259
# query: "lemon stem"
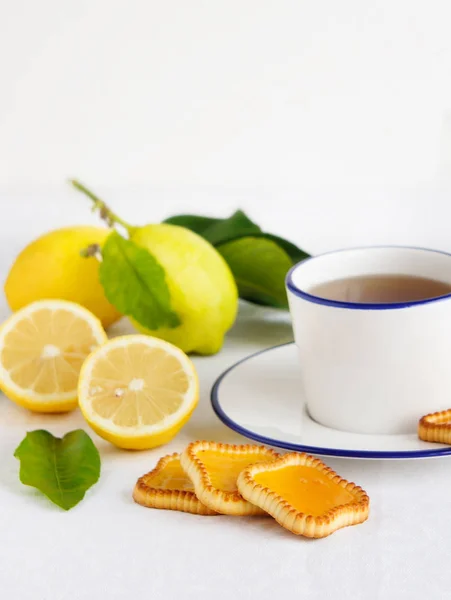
104 210
93 250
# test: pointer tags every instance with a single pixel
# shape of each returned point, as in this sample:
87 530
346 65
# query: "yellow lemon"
203 291
202 288
42 348
51 267
137 391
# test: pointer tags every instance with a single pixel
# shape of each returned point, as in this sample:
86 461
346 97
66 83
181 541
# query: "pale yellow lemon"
42 348
203 290
137 391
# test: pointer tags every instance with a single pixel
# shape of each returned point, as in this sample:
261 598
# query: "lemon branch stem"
105 211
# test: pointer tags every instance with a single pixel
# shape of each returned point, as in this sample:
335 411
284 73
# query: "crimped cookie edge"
179 500
288 516
228 503
431 430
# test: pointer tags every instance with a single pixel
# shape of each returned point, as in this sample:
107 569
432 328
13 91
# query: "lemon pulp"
138 391
42 349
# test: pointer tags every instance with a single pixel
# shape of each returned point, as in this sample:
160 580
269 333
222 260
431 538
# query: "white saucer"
260 397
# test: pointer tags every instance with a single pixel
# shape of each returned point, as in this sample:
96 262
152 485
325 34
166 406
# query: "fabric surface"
108 546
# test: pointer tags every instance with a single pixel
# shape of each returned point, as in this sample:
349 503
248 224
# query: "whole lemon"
203 291
51 267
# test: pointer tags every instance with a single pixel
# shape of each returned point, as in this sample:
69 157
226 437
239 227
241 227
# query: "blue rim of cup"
294 289
319 450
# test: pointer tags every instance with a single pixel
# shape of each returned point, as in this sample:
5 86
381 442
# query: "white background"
240 92
330 122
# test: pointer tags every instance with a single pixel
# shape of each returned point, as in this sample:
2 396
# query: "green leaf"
238 225
196 223
259 266
218 231
61 468
295 253
134 282
255 283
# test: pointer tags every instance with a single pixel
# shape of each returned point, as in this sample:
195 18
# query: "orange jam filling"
224 469
307 489
171 477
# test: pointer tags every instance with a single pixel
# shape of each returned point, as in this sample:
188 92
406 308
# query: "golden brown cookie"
304 495
436 427
168 487
214 468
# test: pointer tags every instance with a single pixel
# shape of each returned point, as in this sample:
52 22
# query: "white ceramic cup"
372 368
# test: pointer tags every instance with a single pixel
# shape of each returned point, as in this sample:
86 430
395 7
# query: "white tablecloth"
110 548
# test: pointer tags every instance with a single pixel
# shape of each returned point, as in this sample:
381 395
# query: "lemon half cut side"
42 349
137 391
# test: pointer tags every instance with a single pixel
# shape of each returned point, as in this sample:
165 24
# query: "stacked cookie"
302 493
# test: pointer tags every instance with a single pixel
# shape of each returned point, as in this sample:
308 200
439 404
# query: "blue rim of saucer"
322 451
293 288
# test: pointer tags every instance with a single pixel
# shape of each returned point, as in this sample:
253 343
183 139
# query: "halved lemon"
42 348
137 391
